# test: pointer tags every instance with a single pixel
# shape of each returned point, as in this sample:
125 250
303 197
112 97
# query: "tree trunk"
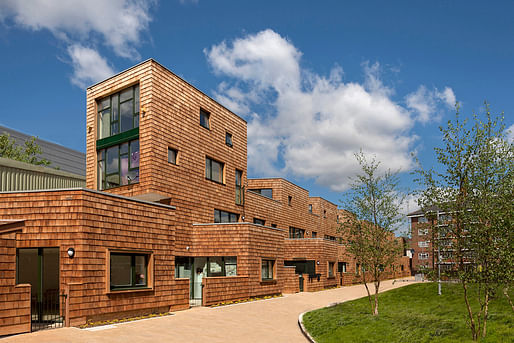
472 325
486 312
367 290
377 286
506 293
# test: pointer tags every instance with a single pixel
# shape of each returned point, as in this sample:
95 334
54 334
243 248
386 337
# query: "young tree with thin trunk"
475 186
375 201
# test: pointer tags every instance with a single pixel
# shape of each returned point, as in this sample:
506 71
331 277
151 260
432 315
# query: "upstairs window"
296 232
324 213
228 139
214 170
310 208
118 112
422 220
314 234
266 192
172 155
239 187
204 119
423 244
423 232
289 200
330 238
118 165
225 217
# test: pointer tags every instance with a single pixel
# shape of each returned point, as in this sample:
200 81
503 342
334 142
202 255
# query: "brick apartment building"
169 218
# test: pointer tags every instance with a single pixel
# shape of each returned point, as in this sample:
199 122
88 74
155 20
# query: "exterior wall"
14 299
20 176
417 263
92 223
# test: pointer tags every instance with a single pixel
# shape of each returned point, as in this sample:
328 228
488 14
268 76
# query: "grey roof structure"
66 159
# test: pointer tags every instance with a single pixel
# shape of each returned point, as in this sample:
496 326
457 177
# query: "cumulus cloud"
311 125
118 24
425 103
89 66
510 133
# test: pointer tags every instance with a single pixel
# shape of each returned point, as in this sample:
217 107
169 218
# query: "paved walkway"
273 320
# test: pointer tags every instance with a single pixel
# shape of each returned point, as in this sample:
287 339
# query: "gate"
48 312
301 282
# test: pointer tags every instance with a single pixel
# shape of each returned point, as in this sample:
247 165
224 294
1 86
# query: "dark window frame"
296 233
228 139
219 214
102 175
134 284
115 118
269 265
259 221
175 153
208 170
206 122
239 187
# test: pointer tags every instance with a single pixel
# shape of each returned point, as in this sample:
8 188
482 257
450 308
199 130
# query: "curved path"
274 320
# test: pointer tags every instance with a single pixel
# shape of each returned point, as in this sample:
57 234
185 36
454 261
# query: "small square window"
204 119
172 155
228 139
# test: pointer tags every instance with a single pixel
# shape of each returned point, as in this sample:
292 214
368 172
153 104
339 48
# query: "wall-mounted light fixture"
187 248
71 252
317 262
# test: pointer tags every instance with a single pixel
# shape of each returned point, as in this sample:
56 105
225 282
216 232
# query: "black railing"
47 312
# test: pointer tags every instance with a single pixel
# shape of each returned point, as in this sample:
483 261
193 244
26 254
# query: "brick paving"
273 320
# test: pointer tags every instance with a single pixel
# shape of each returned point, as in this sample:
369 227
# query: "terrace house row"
169 218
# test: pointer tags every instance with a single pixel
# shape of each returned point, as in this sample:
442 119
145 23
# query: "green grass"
413 313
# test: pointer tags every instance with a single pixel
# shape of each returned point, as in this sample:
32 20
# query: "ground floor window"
267 267
341 267
331 269
213 265
128 270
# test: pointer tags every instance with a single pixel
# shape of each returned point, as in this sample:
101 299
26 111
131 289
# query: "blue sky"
316 81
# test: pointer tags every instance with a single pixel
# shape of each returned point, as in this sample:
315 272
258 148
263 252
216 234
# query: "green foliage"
27 153
413 313
375 202
476 187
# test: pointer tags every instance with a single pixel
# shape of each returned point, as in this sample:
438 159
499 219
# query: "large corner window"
239 187
267 272
118 165
214 170
128 271
296 232
225 217
118 112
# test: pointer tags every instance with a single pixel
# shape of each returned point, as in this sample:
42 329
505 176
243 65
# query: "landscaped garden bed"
413 313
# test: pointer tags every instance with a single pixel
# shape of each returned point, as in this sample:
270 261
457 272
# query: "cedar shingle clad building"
169 218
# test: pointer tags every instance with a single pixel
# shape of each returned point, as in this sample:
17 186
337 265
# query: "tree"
375 202
475 187
26 153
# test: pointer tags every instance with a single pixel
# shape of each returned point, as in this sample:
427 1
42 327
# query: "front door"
40 268
300 280
198 273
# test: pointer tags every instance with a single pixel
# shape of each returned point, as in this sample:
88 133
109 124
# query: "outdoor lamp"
71 252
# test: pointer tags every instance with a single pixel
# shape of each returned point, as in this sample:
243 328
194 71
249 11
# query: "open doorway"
40 268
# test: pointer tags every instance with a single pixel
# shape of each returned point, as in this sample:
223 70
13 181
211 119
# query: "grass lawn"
413 313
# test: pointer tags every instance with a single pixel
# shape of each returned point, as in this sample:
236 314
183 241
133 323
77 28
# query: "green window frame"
214 170
118 113
221 216
118 165
267 269
128 270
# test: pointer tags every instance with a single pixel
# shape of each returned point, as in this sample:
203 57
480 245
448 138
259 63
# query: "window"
267 267
341 267
310 208
289 200
330 238
357 269
267 192
128 271
228 139
445 218
225 217
423 244
423 256
331 269
296 233
324 213
118 113
422 220
172 155
204 119
274 225
337 218
239 187
214 170
258 221
216 266
314 234
423 232
118 165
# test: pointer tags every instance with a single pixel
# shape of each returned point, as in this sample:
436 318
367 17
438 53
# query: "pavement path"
273 320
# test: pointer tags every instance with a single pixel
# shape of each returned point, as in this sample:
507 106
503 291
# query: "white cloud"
89 67
425 103
118 24
510 133
311 125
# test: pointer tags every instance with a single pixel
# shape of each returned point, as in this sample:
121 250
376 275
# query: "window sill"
268 282
129 290
219 183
